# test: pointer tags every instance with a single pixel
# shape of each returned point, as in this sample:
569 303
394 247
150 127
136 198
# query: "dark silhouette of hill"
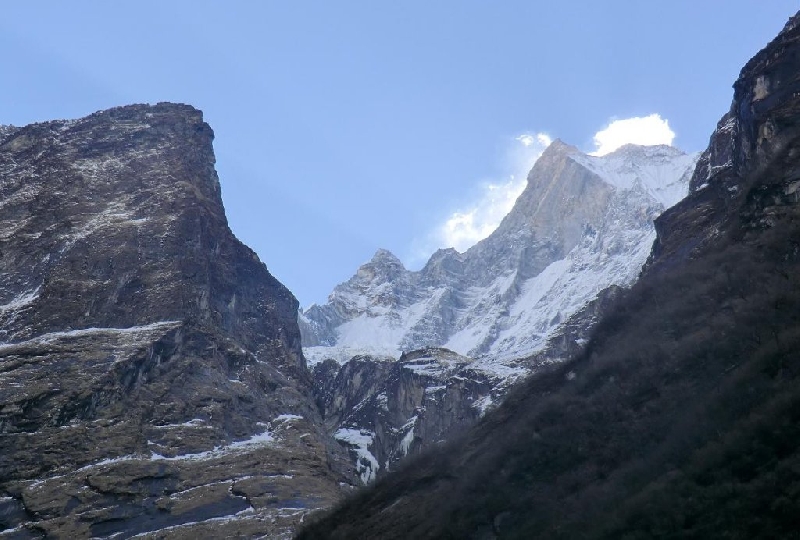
682 416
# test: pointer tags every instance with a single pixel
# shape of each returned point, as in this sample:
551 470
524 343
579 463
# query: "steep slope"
680 419
151 376
582 224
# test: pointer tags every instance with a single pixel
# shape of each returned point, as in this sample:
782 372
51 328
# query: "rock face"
385 409
757 133
582 224
151 375
680 417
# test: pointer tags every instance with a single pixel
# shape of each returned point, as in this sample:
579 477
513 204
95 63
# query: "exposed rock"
385 409
151 376
758 132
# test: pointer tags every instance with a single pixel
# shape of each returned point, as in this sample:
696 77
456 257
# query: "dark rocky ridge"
680 419
151 373
756 135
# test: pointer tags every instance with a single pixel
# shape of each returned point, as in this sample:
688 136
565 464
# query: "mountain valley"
618 359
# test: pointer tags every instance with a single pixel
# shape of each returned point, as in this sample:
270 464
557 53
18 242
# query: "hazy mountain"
582 224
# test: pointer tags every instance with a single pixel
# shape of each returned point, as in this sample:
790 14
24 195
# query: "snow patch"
483 404
288 418
360 440
20 301
658 170
132 333
408 438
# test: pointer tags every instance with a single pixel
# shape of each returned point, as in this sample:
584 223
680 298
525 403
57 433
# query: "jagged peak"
443 261
384 256
444 253
559 148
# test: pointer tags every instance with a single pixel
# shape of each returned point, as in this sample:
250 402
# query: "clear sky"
346 126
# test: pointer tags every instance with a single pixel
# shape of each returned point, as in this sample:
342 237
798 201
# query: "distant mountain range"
582 224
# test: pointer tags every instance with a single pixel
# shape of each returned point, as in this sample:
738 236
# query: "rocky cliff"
679 419
384 409
151 371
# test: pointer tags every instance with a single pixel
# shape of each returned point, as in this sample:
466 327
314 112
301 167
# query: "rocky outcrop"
758 134
384 409
152 376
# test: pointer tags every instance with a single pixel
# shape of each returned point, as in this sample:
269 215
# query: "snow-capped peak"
384 256
583 224
658 169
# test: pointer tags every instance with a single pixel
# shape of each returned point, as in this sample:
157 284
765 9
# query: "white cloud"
644 130
464 228
526 139
492 201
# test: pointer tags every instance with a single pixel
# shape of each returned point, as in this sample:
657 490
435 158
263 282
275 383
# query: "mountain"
151 371
523 298
582 224
681 417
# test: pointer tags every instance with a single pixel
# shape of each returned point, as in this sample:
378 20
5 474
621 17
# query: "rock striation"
151 374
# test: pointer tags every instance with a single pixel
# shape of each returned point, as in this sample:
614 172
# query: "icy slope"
582 224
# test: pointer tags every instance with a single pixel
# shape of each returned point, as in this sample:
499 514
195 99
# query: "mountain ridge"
518 301
386 309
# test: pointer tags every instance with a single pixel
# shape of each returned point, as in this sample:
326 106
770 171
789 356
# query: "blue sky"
342 127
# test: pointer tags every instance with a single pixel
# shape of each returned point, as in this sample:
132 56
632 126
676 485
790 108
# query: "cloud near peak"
644 130
493 199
